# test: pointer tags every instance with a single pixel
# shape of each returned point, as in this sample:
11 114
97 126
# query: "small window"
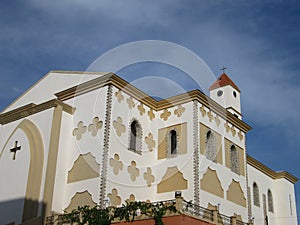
234 160
256 195
173 142
210 148
220 93
270 201
234 94
135 136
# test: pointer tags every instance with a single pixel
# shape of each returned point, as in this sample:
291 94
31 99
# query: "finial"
223 69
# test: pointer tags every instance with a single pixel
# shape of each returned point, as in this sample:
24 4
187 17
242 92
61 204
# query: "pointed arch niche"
34 181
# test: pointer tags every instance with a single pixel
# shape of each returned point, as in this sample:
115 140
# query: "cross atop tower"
223 69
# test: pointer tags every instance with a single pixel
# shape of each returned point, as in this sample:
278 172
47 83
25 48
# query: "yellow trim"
129 89
241 155
203 132
31 109
34 180
269 172
52 158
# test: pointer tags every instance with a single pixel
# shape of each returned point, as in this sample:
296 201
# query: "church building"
90 138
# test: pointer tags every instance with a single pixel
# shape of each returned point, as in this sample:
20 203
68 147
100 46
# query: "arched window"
255 195
210 147
173 142
135 136
270 201
234 160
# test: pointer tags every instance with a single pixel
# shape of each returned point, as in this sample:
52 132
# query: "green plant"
128 212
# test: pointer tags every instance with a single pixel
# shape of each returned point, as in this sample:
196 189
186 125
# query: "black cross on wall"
15 149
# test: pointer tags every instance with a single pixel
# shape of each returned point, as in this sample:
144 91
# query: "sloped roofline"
42 78
112 79
222 81
269 172
118 82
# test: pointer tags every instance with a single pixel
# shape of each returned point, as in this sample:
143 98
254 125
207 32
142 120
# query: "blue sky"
259 42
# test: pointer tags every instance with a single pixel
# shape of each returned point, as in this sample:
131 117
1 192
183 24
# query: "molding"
103 177
269 172
31 109
34 180
196 154
52 159
124 86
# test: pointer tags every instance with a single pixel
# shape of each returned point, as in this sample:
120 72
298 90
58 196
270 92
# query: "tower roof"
222 81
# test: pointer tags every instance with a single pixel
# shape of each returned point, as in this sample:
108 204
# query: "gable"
53 82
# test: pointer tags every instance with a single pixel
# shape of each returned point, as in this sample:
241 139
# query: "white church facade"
78 138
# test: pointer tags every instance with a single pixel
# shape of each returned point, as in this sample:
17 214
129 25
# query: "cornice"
131 90
269 172
31 109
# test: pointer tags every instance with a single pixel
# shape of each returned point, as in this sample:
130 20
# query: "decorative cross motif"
141 109
217 119
120 128
95 126
133 171
115 200
130 103
79 130
15 149
240 135
119 96
149 177
203 111
150 142
227 127
233 131
165 115
116 164
223 69
210 116
151 114
179 110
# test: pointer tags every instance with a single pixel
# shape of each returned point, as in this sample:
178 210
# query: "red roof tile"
222 81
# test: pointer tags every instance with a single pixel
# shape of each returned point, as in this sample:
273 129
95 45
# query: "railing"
225 220
211 216
197 210
238 222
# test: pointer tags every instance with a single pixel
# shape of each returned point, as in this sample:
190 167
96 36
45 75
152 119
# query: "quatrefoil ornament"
119 126
116 164
95 126
79 130
133 171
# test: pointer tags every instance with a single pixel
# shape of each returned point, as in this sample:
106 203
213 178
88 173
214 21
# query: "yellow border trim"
269 172
129 89
31 109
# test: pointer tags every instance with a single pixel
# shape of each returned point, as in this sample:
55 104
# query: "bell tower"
225 92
